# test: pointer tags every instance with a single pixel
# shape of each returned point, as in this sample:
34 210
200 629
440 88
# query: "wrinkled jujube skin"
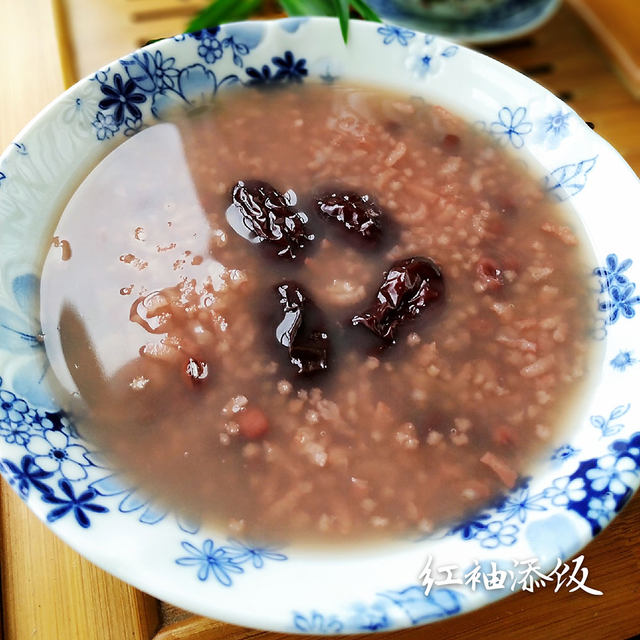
268 217
409 288
302 330
358 214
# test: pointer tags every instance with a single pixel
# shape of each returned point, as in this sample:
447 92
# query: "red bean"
253 423
489 274
451 144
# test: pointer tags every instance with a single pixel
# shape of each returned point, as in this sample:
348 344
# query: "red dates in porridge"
261 213
302 330
356 213
410 287
231 338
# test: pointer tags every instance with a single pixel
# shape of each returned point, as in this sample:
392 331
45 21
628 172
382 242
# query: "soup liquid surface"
165 317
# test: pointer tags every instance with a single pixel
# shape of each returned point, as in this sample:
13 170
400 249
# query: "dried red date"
260 213
356 213
302 330
409 288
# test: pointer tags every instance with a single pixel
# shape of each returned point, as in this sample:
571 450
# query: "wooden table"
51 593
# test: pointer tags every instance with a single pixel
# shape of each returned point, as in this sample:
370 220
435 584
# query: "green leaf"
342 8
220 11
365 11
223 11
308 7
337 8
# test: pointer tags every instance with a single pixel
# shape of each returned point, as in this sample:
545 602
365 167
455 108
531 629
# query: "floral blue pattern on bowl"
550 515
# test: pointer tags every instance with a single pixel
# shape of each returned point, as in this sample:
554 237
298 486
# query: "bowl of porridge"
318 338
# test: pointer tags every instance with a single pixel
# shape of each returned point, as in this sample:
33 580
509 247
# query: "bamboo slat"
617 25
48 591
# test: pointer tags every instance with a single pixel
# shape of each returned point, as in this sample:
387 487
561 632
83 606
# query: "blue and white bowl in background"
469 21
550 516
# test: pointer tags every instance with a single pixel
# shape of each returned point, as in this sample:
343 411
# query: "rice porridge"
354 316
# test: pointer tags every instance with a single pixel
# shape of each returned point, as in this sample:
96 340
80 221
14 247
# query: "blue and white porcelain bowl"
550 516
469 21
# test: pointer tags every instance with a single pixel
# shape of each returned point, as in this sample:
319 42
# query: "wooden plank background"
51 593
